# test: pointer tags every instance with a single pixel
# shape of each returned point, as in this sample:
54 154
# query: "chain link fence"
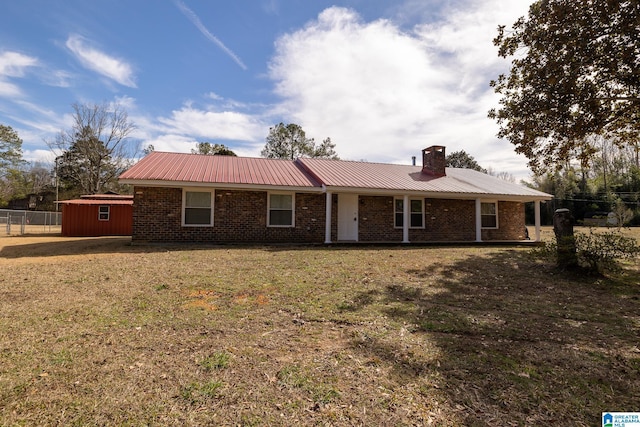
13 222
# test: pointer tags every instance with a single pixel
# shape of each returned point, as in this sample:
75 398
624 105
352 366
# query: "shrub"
597 252
601 251
621 213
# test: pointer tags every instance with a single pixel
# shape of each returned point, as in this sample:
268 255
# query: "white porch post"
327 219
405 219
478 220
537 221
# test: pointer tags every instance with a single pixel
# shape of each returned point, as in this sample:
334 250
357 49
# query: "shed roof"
204 169
101 202
107 196
100 199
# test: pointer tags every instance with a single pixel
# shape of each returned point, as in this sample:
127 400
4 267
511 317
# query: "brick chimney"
434 160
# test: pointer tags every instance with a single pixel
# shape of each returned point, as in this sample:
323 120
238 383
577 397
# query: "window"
197 208
416 213
280 210
103 213
489 214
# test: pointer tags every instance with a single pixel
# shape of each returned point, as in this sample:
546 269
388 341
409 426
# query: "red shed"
97 215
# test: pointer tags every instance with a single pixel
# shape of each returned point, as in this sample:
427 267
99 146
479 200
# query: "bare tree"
39 178
96 150
505 176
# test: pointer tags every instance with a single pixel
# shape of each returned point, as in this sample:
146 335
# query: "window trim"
107 213
184 206
293 209
401 199
495 204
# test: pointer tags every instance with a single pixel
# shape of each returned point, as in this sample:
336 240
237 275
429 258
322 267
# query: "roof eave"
439 194
221 185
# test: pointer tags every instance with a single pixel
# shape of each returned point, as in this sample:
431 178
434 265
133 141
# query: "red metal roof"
160 168
398 178
196 168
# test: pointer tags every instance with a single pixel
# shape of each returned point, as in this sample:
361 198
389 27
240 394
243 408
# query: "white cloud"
9 90
177 143
43 119
171 142
127 103
214 96
356 82
40 156
382 93
466 37
220 121
13 64
203 124
57 78
93 59
220 102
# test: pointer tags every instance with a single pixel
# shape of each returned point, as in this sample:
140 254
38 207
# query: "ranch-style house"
225 199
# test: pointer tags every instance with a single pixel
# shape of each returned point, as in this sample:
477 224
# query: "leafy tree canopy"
326 150
574 74
27 180
10 164
290 142
212 149
460 159
10 149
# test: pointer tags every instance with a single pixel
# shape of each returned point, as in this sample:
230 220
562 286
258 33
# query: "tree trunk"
563 229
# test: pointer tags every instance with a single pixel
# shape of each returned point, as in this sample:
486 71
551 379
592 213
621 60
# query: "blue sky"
383 79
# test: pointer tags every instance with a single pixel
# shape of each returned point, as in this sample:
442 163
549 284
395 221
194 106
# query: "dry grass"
98 332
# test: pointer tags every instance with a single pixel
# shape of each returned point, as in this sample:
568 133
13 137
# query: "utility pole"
55 173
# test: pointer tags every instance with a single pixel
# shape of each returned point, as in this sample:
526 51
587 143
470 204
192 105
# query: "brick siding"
511 223
376 217
444 221
448 220
238 217
241 217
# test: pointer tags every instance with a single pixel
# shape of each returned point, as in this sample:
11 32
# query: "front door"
348 217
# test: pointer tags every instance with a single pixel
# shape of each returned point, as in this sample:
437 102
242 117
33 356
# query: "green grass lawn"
98 332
